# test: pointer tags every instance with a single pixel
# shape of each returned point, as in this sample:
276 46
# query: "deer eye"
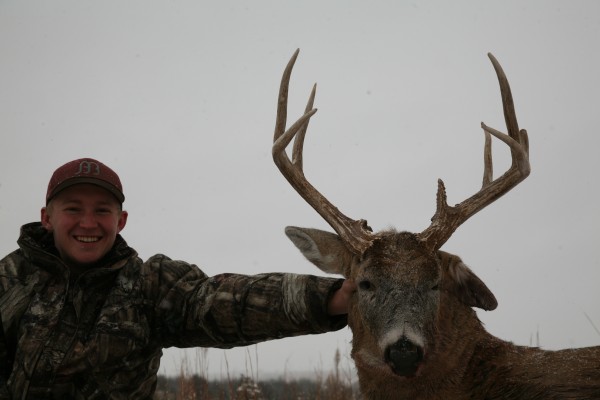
435 287
365 285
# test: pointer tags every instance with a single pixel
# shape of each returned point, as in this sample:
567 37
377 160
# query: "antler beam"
355 233
447 219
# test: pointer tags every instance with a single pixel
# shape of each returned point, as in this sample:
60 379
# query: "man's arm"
231 310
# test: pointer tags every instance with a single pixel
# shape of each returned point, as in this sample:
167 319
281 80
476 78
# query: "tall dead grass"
193 383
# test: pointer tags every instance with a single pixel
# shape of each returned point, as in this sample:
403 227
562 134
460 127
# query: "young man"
82 316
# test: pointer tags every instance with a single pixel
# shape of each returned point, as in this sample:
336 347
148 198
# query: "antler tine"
299 140
356 234
446 218
508 106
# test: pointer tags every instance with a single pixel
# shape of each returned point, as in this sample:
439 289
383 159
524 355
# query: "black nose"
404 357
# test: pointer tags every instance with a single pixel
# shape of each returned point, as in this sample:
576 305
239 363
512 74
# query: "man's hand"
340 299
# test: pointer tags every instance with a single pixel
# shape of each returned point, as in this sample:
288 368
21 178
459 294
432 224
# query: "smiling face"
84 220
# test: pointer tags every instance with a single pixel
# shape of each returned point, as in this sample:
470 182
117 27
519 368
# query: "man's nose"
88 220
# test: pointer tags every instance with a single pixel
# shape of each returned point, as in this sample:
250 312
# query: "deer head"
405 282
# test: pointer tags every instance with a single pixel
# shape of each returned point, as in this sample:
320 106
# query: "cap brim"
78 180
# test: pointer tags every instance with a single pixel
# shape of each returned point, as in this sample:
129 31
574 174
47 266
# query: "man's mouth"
87 239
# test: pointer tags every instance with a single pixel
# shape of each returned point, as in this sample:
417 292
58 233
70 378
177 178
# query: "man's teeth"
87 239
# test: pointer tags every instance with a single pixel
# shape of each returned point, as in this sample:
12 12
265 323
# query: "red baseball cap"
85 170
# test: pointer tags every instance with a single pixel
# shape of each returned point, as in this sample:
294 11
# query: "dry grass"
193 383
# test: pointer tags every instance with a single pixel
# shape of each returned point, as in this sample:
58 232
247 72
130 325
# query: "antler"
446 218
355 233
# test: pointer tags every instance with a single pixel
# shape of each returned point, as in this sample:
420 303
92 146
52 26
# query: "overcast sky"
179 97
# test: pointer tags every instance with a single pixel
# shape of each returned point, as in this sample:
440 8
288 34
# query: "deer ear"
324 249
464 284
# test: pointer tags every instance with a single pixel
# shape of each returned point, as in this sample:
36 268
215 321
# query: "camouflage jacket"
100 335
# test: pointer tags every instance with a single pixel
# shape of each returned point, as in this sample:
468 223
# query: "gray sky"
179 97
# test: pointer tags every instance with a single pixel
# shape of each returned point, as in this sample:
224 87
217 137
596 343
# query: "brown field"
193 383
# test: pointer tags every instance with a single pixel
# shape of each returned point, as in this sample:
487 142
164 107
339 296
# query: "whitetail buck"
415 334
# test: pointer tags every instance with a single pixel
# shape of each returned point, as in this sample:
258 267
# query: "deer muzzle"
404 357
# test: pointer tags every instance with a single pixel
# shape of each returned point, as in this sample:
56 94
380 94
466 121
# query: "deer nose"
404 357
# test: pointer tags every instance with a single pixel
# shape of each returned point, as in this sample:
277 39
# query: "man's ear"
45 219
324 249
459 280
122 220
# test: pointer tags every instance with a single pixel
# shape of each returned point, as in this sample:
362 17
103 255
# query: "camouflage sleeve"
4 367
230 310
13 300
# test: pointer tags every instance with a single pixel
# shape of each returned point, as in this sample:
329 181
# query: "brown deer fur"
462 360
415 333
